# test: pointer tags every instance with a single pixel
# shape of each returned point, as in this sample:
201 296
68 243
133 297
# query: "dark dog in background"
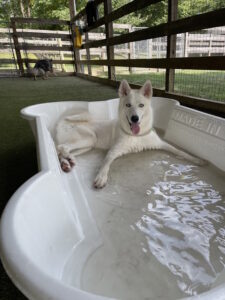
42 68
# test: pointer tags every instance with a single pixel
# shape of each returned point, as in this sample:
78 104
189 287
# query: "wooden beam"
7 61
206 20
44 48
58 74
171 45
189 63
8 71
45 35
122 11
40 21
54 61
73 11
109 34
17 48
88 54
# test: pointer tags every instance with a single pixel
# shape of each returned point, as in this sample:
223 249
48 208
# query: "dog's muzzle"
134 124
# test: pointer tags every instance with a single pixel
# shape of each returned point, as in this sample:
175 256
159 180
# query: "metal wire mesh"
207 42
140 75
202 84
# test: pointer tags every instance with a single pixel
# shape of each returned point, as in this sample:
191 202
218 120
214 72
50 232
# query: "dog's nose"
134 119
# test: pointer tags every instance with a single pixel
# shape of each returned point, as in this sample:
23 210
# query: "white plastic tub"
154 232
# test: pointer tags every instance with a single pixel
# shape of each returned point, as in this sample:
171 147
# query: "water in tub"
162 224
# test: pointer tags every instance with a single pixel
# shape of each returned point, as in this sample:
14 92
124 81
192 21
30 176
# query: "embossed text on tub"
205 124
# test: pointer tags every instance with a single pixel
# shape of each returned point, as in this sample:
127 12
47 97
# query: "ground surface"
17 147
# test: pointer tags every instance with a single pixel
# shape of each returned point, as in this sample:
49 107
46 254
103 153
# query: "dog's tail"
27 65
30 70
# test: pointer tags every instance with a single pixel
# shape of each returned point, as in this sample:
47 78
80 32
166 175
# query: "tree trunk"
22 8
29 8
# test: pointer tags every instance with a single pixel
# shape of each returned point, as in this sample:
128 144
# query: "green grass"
17 147
203 84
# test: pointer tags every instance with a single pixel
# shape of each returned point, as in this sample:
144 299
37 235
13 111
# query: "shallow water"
162 224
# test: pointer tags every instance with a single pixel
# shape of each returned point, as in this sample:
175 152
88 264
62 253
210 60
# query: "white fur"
78 133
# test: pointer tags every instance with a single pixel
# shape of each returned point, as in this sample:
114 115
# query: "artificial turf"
17 147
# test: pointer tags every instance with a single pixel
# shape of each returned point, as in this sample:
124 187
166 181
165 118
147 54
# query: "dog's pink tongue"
135 128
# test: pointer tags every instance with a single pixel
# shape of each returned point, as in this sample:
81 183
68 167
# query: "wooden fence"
207 43
58 47
170 29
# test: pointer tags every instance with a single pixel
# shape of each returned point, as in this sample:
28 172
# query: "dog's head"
135 113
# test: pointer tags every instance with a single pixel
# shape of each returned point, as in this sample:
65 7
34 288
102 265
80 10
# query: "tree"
150 16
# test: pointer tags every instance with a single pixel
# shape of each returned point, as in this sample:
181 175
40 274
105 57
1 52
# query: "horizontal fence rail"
40 43
175 32
54 61
122 11
41 21
25 46
207 20
43 35
194 63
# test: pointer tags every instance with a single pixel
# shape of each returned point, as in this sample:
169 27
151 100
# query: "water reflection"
182 225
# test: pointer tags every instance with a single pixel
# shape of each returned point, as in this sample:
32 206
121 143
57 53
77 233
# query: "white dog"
132 132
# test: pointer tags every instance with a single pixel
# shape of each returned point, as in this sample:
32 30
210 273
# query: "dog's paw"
100 181
67 164
71 161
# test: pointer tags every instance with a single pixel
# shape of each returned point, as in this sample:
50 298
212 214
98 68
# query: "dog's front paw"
67 163
100 181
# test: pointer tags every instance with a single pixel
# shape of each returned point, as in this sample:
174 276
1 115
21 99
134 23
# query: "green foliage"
149 16
51 9
188 8
152 15
8 9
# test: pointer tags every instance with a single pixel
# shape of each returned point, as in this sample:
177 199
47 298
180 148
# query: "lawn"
202 84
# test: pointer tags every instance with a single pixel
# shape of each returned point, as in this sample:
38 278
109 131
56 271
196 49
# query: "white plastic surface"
47 228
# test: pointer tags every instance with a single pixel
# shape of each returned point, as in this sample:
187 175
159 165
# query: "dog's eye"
128 105
141 105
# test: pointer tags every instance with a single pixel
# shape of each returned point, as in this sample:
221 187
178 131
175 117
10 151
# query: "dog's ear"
146 90
124 88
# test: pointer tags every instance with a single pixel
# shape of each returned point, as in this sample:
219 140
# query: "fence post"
88 52
171 45
61 55
17 48
72 7
109 33
131 52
